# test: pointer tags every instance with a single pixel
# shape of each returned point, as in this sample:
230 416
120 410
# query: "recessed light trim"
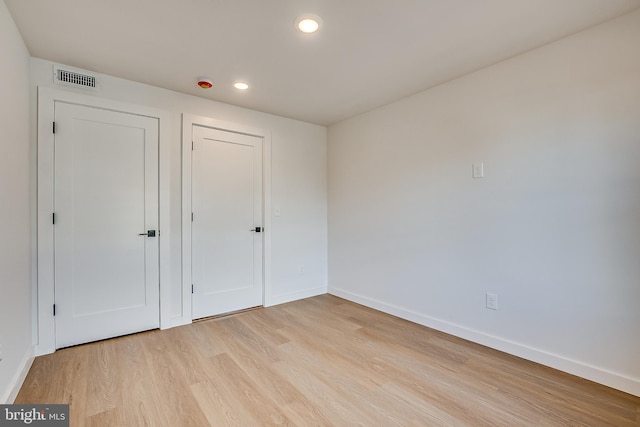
241 85
308 23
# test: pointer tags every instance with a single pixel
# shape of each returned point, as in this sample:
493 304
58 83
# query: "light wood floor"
322 361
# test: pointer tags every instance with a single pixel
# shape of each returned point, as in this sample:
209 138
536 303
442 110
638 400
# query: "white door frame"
45 281
188 121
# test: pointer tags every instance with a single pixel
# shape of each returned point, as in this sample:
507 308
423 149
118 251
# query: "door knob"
149 233
257 229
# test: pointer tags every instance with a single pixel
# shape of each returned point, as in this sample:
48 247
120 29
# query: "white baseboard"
13 388
273 300
611 379
293 296
178 321
40 350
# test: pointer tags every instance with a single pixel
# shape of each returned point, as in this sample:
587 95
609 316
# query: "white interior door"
227 220
106 195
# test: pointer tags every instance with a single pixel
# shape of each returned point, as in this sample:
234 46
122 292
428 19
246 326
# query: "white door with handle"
227 234
106 220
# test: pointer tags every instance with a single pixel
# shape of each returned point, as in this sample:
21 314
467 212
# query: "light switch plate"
492 301
478 170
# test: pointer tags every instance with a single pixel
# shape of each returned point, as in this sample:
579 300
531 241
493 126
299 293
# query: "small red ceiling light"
205 83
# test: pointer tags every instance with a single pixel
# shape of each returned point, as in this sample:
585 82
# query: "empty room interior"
329 213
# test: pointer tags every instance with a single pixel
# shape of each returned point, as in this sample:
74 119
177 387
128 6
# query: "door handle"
257 229
149 233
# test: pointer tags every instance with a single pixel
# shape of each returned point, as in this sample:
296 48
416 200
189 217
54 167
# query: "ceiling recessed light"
308 23
241 85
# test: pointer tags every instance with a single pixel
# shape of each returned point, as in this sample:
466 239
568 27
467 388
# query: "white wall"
553 228
298 178
15 228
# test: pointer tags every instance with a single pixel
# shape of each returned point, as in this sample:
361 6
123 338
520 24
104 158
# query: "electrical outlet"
492 301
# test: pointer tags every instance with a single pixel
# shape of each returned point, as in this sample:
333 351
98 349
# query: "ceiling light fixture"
308 23
205 82
241 85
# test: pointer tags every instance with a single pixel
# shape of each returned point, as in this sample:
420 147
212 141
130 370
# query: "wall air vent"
76 78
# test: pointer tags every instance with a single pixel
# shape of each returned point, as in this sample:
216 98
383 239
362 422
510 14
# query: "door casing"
43 277
188 121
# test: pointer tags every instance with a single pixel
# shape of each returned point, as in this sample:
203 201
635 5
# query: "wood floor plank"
260 346
323 361
348 384
103 391
201 339
239 385
218 407
170 391
272 385
261 325
341 412
428 413
60 377
561 397
304 415
110 417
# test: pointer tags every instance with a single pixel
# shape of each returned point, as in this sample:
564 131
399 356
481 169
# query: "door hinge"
54 309
53 218
191 145
191 288
191 216
54 127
